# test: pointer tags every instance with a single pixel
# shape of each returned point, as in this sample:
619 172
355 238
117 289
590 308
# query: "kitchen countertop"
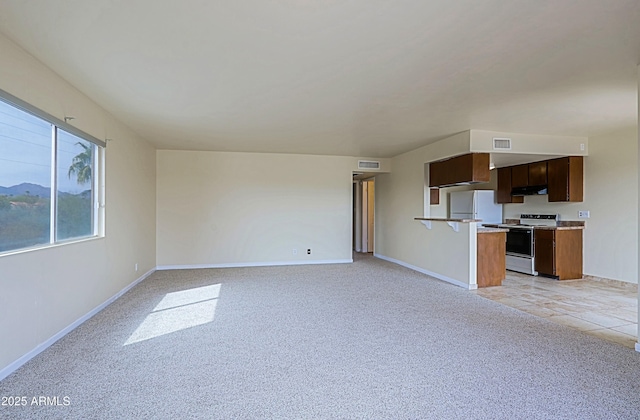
492 230
559 227
567 226
441 219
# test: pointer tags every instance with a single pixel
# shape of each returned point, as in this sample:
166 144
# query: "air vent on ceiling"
501 143
368 164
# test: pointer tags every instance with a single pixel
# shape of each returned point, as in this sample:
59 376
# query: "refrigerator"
478 204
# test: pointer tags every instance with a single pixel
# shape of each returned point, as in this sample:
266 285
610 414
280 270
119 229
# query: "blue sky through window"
25 151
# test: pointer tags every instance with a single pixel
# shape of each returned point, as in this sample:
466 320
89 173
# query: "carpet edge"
15 365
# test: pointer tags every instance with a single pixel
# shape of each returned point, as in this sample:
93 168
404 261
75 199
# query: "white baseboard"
428 273
250 264
8 370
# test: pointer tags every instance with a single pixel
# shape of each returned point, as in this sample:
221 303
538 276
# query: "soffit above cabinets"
525 148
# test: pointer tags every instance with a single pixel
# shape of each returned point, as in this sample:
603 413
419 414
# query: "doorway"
363 215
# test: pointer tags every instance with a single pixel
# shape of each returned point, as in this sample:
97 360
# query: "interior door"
370 214
357 216
367 216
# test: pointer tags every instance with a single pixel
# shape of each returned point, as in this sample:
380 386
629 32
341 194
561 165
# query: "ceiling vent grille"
368 164
501 143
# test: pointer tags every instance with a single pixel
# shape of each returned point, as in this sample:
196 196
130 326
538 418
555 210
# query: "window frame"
97 181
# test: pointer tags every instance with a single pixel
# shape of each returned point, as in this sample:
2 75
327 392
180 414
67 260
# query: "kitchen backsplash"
538 204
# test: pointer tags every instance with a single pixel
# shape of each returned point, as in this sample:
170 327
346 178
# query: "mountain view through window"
29 146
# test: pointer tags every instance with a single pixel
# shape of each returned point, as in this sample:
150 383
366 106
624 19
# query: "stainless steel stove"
520 241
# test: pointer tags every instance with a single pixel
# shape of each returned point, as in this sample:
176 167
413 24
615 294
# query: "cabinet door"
568 254
538 173
434 196
519 176
436 174
491 258
445 172
576 178
565 179
558 177
504 187
544 246
469 168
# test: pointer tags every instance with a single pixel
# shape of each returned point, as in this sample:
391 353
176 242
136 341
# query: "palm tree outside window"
81 164
74 187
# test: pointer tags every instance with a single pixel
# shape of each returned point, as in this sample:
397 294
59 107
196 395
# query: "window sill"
49 246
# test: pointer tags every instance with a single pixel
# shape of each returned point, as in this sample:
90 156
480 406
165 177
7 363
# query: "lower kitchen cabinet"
558 253
491 267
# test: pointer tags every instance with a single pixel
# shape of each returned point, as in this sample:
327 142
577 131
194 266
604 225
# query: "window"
48 185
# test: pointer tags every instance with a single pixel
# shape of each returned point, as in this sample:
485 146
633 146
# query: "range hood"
530 190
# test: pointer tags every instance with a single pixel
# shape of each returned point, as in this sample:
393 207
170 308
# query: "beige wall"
45 291
221 208
611 195
440 251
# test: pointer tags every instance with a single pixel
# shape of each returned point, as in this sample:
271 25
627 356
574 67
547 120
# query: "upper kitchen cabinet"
532 174
504 187
520 176
538 173
471 168
565 179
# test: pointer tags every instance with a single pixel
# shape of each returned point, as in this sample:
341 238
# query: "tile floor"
604 308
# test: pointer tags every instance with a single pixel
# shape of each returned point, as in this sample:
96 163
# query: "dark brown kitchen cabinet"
538 173
532 174
491 257
434 196
558 253
519 176
565 179
471 168
504 187
545 260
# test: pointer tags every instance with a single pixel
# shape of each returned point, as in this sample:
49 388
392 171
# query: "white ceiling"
340 77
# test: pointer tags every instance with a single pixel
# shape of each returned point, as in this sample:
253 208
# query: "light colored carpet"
362 340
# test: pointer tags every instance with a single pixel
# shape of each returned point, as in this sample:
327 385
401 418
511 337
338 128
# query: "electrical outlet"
583 214
309 251
582 146
295 251
136 267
